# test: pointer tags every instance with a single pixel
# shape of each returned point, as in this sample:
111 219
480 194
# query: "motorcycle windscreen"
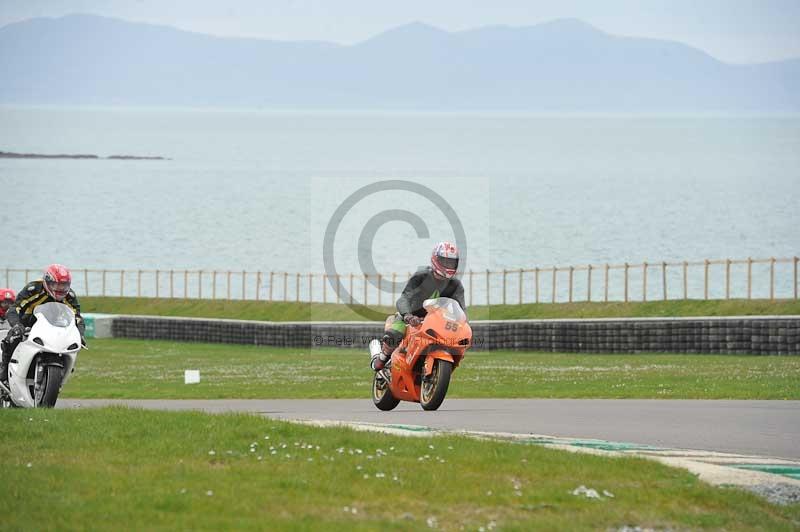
56 314
449 308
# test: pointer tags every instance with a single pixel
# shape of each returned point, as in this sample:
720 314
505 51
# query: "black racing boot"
4 365
381 352
7 347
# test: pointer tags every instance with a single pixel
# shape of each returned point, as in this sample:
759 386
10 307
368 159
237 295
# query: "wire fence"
772 278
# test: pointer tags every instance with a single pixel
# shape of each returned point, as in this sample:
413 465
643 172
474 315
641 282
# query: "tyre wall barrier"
777 335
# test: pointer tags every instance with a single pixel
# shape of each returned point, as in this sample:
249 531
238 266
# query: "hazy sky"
737 31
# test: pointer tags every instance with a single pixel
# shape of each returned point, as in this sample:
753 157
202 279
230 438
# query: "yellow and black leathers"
34 295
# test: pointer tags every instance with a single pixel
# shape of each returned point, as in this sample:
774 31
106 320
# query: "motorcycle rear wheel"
434 388
382 395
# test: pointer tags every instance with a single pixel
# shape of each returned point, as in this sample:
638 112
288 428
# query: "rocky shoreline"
12 155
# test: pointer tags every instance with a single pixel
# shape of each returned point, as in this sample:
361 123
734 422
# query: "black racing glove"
16 332
412 320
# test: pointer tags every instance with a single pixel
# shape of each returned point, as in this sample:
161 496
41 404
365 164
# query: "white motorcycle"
44 360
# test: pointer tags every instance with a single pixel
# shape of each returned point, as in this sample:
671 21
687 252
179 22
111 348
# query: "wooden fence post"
644 281
271 279
171 284
505 274
749 278
213 284
85 280
185 284
571 271
487 288
244 285
297 288
605 295
553 288
685 280
796 260
664 280
139 283
772 279
228 286
394 280
379 289
199 284
589 282
366 278
536 282
104 283
727 278
310 287
158 281
705 279
351 289
520 286
122 283
285 285
258 285
324 287
626 282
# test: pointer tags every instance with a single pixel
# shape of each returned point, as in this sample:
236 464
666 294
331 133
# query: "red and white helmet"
444 260
57 281
7 297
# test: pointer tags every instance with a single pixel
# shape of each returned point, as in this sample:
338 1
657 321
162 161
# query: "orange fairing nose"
447 332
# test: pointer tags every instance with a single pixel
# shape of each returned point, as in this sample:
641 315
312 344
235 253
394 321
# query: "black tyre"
434 388
46 394
382 395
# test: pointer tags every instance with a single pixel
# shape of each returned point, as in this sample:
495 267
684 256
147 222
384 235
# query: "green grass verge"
121 368
280 311
139 470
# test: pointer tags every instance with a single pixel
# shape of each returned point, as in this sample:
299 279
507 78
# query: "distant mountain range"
560 65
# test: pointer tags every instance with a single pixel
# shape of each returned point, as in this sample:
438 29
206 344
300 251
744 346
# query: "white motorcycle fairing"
54 340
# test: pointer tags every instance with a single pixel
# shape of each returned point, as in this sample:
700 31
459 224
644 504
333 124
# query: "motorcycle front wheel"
434 387
46 390
381 394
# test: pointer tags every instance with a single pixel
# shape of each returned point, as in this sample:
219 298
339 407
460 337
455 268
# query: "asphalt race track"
764 428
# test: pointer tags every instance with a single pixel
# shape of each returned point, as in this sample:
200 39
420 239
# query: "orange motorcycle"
420 368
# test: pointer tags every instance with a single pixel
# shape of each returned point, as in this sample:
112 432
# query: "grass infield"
142 470
291 311
145 369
